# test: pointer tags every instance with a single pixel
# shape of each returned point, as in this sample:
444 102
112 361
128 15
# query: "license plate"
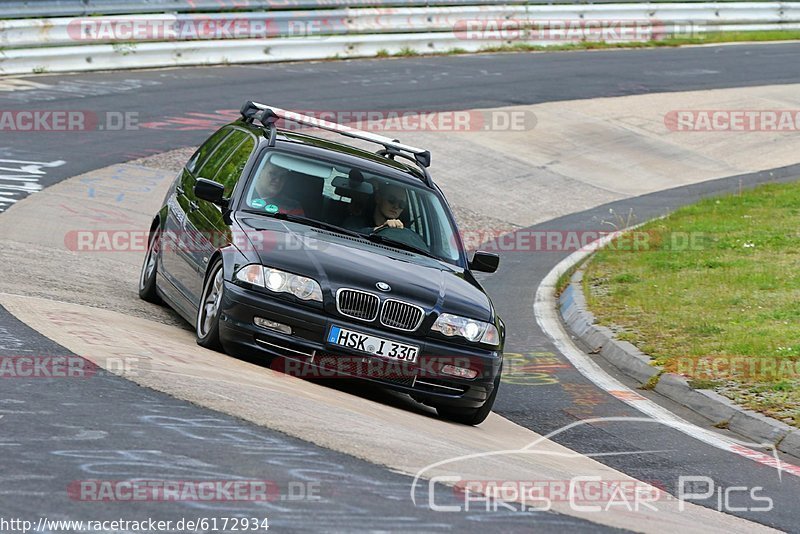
372 344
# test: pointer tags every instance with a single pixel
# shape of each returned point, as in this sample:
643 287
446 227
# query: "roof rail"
268 115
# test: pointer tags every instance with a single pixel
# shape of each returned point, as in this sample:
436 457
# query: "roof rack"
268 116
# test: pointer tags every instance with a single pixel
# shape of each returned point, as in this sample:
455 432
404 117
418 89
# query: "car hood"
337 260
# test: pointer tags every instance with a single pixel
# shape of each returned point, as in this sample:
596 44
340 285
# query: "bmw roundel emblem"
383 286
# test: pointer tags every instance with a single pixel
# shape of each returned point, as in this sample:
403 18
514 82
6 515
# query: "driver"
269 195
390 202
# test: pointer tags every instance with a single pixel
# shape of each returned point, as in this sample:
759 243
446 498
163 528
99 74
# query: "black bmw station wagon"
334 258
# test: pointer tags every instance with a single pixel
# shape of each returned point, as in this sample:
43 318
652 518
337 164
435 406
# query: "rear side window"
230 171
219 155
206 149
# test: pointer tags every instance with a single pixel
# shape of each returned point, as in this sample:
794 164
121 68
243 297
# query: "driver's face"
272 184
392 202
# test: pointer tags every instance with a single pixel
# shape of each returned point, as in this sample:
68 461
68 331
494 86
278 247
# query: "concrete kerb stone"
722 413
791 442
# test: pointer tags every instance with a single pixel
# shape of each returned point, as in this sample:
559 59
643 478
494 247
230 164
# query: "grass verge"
713 292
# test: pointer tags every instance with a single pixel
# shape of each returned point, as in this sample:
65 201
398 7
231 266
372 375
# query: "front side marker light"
251 274
491 336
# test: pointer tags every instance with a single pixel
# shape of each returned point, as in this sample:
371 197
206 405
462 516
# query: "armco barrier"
17 9
59 44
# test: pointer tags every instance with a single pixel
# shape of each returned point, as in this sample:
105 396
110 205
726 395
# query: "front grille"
357 304
372 368
401 315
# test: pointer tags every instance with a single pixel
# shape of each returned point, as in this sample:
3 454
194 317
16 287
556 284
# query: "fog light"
272 325
460 372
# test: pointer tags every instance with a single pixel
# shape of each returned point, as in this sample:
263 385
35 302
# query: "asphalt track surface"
111 429
558 397
437 83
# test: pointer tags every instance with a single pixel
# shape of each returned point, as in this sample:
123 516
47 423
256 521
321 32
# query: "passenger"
269 193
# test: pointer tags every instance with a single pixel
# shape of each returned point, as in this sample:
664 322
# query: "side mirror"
485 262
210 191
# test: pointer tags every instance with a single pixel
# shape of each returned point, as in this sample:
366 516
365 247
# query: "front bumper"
307 353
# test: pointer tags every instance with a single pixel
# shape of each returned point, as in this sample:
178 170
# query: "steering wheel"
403 235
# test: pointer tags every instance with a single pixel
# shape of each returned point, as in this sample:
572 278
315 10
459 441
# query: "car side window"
220 154
206 149
230 171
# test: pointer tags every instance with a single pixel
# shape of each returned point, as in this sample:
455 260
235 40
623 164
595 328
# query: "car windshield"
391 211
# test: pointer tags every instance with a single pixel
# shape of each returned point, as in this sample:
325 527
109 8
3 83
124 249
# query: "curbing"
624 356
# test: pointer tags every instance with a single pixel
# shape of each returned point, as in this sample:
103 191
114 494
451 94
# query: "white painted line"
15 186
545 310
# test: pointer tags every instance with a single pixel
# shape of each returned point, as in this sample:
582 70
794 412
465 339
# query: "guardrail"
17 9
61 44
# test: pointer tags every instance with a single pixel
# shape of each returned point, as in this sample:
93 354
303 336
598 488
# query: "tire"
208 312
147 278
472 416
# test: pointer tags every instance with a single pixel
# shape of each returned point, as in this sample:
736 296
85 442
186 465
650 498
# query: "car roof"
346 154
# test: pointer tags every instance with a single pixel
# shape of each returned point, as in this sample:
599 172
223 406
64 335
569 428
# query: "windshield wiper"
377 238
315 223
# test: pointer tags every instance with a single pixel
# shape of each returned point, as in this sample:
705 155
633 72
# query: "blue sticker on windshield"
271 208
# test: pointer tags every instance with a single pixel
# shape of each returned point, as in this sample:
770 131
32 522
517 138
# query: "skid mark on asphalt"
24 91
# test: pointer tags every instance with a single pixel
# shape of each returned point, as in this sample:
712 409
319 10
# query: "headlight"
281 282
469 329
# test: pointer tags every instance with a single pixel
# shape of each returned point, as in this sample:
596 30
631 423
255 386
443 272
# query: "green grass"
718 281
407 51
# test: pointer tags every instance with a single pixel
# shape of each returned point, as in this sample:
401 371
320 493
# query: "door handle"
179 189
193 206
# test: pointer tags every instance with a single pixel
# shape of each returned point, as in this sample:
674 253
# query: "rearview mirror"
485 262
210 191
347 186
